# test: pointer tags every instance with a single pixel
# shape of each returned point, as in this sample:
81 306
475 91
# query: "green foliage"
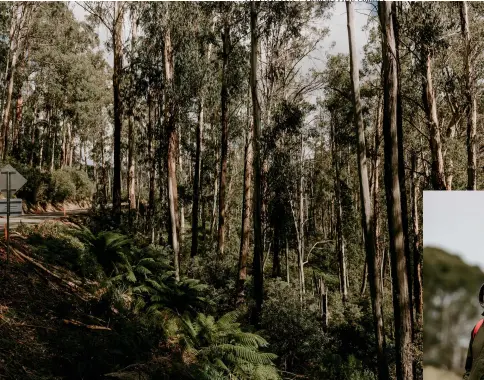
110 249
58 244
222 348
345 351
62 187
84 186
162 293
296 335
37 188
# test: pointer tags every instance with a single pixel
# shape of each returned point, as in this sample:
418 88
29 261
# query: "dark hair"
481 295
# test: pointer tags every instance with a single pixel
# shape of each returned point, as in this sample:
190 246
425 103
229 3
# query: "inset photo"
453 276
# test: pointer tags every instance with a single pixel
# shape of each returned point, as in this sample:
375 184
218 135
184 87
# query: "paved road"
36 218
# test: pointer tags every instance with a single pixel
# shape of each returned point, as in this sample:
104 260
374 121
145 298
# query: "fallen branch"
80 324
40 266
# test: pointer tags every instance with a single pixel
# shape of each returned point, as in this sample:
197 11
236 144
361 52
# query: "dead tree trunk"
322 293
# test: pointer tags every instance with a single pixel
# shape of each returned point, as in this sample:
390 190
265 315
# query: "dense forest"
250 218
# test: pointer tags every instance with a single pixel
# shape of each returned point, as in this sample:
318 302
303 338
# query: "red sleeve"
476 328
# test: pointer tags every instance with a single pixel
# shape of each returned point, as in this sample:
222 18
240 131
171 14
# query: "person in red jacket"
474 368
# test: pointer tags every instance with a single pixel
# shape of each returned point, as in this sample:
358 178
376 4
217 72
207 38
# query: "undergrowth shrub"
57 244
62 187
224 350
220 275
67 184
298 338
84 186
37 188
151 314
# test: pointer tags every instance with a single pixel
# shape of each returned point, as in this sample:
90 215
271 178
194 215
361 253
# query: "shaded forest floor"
62 317
53 327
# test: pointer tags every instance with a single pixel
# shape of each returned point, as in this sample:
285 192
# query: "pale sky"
454 221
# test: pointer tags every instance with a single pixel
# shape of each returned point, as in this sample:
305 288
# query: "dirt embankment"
51 324
68 206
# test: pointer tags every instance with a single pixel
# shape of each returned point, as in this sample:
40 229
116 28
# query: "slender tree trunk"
401 163
118 109
204 214
471 108
11 58
18 125
417 276
430 106
69 146
152 165
301 225
246 217
181 204
131 173
276 251
52 156
131 130
224 142
171 154
257 263
8 102
64 146
366 207
401 301
363 280
196 181
41 140
340 247
287 262
215 197
35 130
198 166
379 257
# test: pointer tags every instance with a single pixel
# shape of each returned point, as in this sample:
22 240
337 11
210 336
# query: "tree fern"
224 348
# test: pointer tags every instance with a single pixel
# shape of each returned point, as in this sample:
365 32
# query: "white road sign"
17 180
15 206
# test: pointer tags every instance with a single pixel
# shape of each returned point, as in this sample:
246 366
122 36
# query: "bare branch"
91 10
